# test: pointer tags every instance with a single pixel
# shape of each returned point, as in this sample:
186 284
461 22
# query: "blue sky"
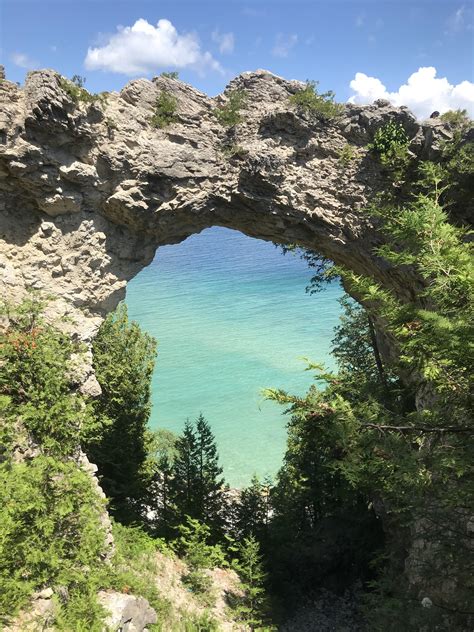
210 42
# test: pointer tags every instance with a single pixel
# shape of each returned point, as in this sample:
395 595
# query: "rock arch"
89 191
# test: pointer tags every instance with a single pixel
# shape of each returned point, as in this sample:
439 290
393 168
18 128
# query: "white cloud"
359 21
283 44
423 93
23 61
225 41
144 48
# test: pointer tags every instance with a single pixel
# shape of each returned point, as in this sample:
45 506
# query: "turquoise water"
231 317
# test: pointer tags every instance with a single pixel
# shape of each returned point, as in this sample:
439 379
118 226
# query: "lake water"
231 317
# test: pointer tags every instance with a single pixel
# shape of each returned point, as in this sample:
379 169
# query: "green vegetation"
170 75
311 101
166 106
347 155
362 438
390 145
32 374
252 605
124 358
230 115
50 531
50 519
457 119
200 556
75 89
379 454
187 480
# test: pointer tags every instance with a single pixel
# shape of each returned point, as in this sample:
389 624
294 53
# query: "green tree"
210 483
251 608
51 533
124 358
196 484
199 555
252 510
411 459
34 363
184 475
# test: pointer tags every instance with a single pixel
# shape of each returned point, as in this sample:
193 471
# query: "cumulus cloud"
143 48
423 93
283 44
23 61
225 41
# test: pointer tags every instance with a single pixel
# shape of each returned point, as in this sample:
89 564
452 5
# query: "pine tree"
250 608
124 358
196 487
252 510
210 482
184 475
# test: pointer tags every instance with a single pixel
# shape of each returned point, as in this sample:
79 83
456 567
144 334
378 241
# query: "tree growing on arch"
197 485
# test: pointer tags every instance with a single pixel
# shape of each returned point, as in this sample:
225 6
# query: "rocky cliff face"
88 191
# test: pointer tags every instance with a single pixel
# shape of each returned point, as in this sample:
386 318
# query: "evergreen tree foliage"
166 106
184 476
196 485
199 555
33 361
210 483
124 358
50 528
252 606
358 445
252 510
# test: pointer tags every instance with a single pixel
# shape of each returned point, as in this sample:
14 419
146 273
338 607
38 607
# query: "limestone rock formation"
127 613
88 191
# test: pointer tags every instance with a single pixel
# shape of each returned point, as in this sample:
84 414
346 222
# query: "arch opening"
231 317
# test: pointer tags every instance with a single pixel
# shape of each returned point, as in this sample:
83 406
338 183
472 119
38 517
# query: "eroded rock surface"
88 191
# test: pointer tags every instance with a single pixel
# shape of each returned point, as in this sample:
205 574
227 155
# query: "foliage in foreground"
124 358
362 436
51 533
